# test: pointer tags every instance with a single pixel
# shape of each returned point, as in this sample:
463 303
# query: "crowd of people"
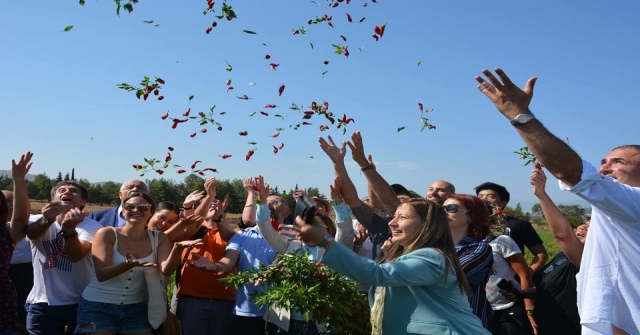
448 263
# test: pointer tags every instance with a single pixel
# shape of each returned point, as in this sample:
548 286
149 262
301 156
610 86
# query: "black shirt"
522 233
557 298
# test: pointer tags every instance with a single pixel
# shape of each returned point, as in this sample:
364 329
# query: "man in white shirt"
60 243
608 291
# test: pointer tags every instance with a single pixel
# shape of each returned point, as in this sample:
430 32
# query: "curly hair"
478 212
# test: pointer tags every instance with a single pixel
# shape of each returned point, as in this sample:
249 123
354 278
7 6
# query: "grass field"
549 243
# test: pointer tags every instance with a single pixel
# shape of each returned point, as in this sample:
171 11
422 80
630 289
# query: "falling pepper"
264 113
170 148
203 130
280 90
346 51
243 133
362 19
193 135
281 146
168 158
210 169
538 166
275 135
187 112
267 56
160 97
229 88
159 171
193 166
349 18
274 66
160 81
164 116
225 156
181 171
228 82
275 149
420 106
249 154
270 106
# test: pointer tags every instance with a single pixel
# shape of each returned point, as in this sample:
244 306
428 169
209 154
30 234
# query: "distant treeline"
106 194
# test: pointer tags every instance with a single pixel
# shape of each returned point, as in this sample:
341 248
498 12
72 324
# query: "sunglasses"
275 203
451 208
140 208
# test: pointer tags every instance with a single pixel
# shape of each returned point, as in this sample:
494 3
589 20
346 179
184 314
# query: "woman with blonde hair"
419 286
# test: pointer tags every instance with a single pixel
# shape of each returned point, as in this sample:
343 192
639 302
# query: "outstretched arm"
558 223
21 206
553 153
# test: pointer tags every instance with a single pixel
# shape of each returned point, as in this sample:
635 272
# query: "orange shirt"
204 284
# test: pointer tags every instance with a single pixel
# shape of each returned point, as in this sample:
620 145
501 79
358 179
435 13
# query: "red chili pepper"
243 133
264 113
346 52
193 166
253 187
145 96
164 116
362 19
208 30
345 120
375 37
310 22
281 146
159 80
181 171
420 106
306 123
214 24
159 171
193 135
160 97
538 166
275 149
335 4
382 27
187 112
326 105
324 127
201 113
269 106
275 135
156 92
203 130
295 32
201 173
326 62
225 156
180 120
210 169
248 156
309 112
274 66
432 127
168 158
330 24
220 128
365 4
229 88
174 125
280 90
244 97
228 82
349 18
314 105
137 166
170 148
267 56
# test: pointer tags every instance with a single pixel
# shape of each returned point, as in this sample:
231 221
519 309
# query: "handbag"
157 298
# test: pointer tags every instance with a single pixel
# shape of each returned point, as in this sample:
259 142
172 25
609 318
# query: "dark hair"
401 190
143 196
167 205
636 147
499 189
478 212
4 209
434 233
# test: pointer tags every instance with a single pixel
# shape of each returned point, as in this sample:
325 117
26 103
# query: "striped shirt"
476 259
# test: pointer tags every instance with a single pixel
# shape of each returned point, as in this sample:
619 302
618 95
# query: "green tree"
6 183
59 178
109 194
166 190
42 187
517 212
573 213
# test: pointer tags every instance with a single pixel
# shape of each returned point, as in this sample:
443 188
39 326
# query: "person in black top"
519 230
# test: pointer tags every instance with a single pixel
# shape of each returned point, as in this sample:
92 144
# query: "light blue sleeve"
263 214
343 212
615 199
419 268
236 241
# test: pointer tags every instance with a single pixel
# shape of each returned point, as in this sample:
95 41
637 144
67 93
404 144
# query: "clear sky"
59 97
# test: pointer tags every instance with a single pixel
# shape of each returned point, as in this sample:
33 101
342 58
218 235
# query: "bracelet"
367 167
187 208
219 219
66 234
250 206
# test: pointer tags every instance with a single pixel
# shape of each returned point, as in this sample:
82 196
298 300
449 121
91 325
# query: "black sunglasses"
451 208
140 208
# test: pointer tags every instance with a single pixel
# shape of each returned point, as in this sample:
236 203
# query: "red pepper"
375 37
181 171
275 135
145 96
247 157
180 120
201 173
420 106
326 62
170 148
281 146
228 82
362 19
274 66
160 81
267 56
275 149
229 88
270 106
538 166
160 97
243 133
326 105
306 123
137 166
193 135
214 24
309 112
208 30
225 156
187 112
159 171
295 32
346 52
335 4
168 158
280 90
310 22
201 114
244 97
382 27
203 130
156 92
193 166
164 116
253 187
349 18
432 127
210 169
330 24
174 125
264 113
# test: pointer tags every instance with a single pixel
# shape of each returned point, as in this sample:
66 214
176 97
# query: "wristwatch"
68 233
325 241
521 119
530 312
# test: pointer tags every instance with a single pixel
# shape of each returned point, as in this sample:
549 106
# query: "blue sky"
60 99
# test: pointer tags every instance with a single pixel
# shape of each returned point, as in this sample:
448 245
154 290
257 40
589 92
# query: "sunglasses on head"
451 208
140 208
275 203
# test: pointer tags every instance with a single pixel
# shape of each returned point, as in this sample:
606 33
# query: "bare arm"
75 248
249 210
169 255
380 186
223 266
519 265
540 256
510 100
21 206
336 154
102 252
38 228
558 223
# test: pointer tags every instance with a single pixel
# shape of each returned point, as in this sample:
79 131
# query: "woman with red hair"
469 225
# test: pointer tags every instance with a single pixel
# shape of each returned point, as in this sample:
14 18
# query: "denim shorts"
96 317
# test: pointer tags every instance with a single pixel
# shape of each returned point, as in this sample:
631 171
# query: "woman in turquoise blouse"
419 286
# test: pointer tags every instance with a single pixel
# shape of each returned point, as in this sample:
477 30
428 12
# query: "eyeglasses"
140 208
275 203
451 208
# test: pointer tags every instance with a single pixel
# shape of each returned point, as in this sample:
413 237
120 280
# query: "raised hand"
357 149
335 153
72 218
210 187
361 236
538 181
192 198
262 188
51 210
386 245
199 261
19 170
188 244
508 98
133 262
247 184
217 209
335 189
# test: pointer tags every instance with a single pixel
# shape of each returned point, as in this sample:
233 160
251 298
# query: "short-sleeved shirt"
503 247
522 233
556 297
56 280
254 250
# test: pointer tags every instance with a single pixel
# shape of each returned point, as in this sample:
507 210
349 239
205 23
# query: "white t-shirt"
503 247
609 277
56 280
22 252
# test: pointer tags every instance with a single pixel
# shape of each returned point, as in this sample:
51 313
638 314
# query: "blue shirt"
254 250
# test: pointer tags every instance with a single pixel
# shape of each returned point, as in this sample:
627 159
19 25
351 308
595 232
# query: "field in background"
549 243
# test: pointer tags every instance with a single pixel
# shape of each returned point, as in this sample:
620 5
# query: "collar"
467 240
